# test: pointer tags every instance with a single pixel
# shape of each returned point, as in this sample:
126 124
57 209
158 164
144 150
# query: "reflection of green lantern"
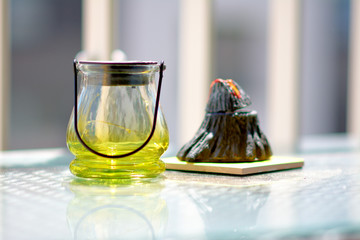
109 210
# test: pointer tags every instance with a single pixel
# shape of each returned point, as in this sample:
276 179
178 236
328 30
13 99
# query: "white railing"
195 54
97 29
4 71
283 74
353 124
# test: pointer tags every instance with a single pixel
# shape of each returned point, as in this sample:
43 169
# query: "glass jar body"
115 114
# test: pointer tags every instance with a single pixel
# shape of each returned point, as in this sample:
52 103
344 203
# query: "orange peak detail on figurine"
226 96
230 83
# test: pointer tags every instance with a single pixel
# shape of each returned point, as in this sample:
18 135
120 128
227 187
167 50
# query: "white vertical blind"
98 38
283 74
4 72
354 71
194 65
98 35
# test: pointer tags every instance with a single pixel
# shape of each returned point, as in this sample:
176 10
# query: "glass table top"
40 199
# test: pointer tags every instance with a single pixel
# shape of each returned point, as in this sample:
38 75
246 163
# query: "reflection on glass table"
40 199
111 209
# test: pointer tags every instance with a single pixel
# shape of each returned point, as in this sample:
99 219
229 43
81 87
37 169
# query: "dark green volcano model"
227 133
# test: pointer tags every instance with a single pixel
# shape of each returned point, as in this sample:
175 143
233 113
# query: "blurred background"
46 35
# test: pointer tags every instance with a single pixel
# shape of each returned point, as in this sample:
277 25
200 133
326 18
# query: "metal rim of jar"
112 73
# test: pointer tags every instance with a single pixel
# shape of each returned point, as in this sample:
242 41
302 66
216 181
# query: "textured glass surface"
44 201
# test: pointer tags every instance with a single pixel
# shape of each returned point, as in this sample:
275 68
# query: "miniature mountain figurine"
227 133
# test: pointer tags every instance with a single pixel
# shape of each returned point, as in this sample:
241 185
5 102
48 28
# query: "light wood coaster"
275 163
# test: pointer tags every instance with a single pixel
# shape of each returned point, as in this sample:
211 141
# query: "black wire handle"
154 121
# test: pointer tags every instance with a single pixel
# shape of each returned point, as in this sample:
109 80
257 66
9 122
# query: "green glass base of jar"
89 169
